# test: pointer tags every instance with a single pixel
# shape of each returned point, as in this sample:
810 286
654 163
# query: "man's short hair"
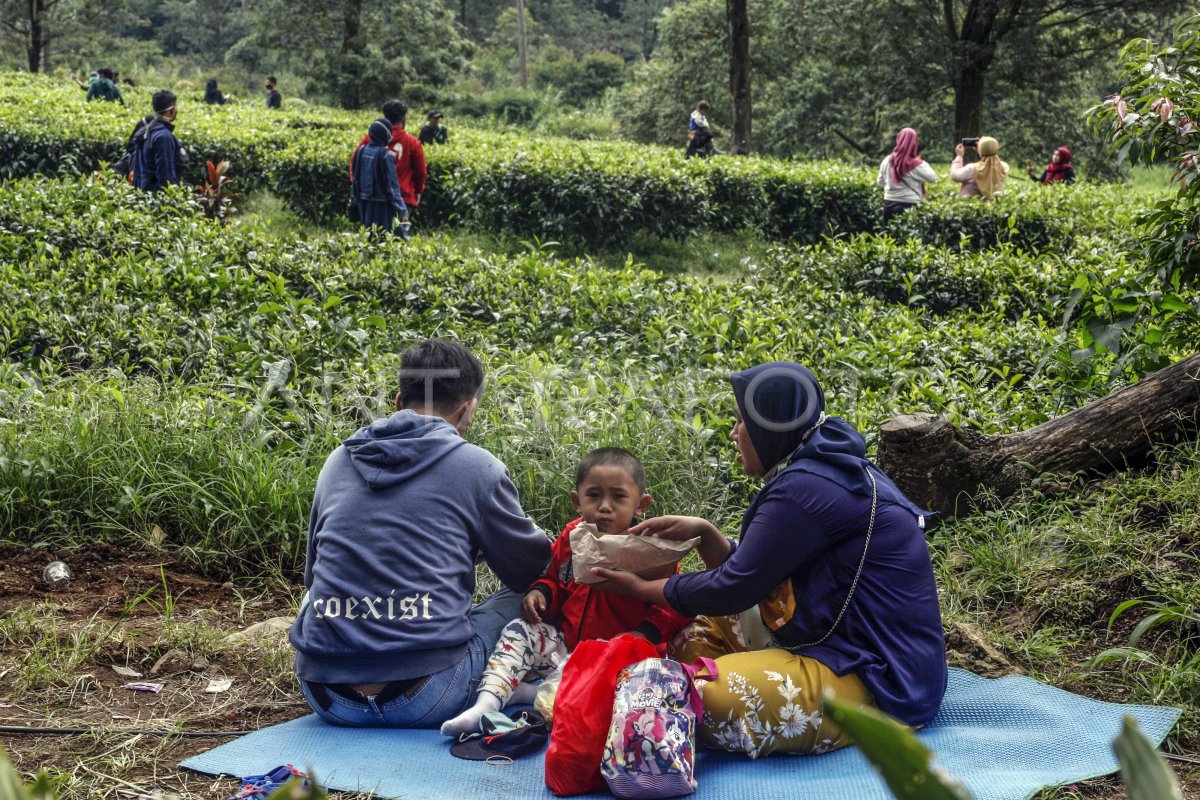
105 72
612 457
395 111
439 374
163 100
703 105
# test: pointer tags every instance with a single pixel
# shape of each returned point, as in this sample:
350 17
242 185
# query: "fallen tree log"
951 469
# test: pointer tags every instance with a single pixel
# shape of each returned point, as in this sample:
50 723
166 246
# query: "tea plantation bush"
119 246
597 193
96 274
1003 280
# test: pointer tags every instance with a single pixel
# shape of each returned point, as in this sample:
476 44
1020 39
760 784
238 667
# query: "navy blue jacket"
402 512
156 159
809 531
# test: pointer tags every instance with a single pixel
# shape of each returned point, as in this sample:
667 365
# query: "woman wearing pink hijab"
1058 170
903 175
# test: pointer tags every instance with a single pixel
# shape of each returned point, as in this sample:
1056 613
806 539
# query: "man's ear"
399 402
644 504
575 502
462 416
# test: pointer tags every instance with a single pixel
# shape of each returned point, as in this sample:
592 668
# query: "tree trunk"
37 32
349 77
522 47
951 470
739 74
968 101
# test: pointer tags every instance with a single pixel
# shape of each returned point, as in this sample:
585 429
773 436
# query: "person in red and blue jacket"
411 167
610 491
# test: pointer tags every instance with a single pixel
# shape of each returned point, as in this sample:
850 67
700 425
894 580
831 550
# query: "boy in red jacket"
610 491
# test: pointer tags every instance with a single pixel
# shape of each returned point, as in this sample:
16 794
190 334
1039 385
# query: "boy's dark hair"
271 79
395 111
163 99
439 374
703 105
105 72
612 457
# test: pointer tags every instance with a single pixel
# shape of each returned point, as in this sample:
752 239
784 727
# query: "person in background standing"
1059 170
212 95
903 175
985 178
101 86
157 155
411 167
373 183
433 131
700 135
274 100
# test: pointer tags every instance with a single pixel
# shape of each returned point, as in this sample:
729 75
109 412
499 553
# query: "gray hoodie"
402 512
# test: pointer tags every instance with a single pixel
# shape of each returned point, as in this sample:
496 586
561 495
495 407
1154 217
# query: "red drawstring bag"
583 711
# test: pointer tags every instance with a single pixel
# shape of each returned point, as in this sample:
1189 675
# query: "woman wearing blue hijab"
828 587
374 184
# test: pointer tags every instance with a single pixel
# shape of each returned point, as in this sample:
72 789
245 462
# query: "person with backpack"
102 86
412 170
374 185
700 135
158 159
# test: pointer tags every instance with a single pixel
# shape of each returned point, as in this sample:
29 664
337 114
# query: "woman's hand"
714 547
533 606
628 584
677 529
959 149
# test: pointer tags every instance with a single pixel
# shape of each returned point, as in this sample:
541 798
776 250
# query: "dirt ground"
148 613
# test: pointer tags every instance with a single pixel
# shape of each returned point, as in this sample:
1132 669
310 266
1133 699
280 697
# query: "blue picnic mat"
1003 738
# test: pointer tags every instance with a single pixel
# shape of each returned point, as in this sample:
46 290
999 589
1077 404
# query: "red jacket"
411 168
582 613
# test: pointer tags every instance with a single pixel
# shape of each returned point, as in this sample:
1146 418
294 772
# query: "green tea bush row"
597 193
97 275
1003 280
136 333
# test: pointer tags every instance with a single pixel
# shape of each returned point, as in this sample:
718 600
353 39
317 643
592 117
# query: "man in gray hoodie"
402 512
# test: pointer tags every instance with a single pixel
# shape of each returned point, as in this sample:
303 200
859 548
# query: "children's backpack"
582 711
651 747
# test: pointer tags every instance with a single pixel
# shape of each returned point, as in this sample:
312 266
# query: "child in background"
610 491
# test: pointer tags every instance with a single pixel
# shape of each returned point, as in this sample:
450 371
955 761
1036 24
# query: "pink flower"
1165 109
1122 107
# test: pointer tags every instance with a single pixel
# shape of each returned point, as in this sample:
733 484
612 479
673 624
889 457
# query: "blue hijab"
380 132
783 408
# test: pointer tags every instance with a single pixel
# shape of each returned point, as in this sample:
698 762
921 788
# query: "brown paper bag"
648 556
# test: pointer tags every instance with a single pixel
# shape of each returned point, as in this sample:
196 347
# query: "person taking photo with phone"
985 178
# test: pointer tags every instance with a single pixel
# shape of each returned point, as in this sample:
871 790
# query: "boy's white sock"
468 721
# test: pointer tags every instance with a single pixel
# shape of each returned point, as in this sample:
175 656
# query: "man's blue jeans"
444 694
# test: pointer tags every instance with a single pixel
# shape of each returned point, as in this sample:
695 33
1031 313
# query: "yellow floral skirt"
763 701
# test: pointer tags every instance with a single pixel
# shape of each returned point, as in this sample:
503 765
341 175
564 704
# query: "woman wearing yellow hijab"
986 177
